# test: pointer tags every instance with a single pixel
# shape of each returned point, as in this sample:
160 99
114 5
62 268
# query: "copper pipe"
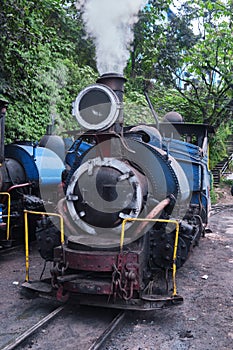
19 186
154 212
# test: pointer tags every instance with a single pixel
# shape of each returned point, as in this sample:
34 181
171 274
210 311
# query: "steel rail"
107 332
13 344
96 345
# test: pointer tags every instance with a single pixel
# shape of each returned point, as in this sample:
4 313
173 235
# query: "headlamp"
96 107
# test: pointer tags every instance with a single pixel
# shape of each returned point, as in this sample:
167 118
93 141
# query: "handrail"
175 243
26 212
226 164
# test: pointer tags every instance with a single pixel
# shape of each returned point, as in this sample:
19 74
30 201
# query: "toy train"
30 174
136 200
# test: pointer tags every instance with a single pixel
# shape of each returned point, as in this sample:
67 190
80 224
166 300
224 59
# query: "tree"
160 37
198 65
147 32
38 42
206 63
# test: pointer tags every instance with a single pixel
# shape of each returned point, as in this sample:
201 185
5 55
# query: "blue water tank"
41 165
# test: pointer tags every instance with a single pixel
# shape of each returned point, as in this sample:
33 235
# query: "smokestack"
115 81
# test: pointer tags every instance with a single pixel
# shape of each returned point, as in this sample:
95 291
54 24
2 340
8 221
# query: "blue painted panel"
25 158
77 149
40 164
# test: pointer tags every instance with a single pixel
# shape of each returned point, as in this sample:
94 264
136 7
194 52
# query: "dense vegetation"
46 59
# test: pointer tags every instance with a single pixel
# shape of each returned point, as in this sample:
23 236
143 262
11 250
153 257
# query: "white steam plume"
110 24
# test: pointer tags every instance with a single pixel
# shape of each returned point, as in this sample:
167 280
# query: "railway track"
15 342
41 323
94 332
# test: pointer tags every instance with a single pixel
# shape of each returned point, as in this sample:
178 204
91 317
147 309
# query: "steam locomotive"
136 201
30 174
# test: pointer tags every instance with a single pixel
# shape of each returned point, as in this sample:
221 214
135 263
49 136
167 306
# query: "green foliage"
213 196
199 66
145 35
160 37
77 79
218 144
53 91
225 182
39 47
163 100
208 62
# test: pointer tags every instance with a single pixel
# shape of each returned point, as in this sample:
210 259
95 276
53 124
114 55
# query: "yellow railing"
26 212
175 222
8 214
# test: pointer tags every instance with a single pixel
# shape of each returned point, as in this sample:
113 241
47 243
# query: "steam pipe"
3 108
19 186
155 115
153 213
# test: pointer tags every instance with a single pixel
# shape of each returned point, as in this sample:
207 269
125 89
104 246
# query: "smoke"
110 24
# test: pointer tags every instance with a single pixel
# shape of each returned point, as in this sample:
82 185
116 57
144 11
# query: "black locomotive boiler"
136 199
